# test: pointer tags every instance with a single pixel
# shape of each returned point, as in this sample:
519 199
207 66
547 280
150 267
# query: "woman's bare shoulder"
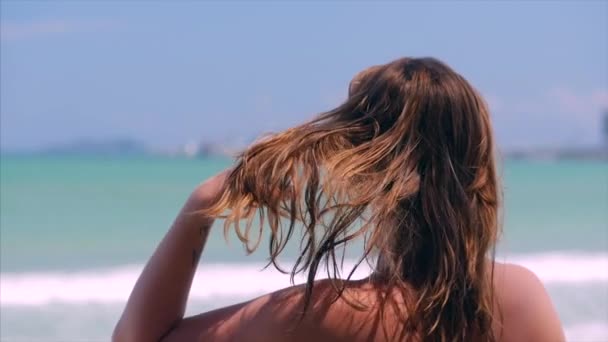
526 309
269 317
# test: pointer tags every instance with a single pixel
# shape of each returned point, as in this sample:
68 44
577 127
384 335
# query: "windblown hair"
407 163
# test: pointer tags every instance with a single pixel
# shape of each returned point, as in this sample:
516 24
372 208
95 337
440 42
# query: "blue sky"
168 73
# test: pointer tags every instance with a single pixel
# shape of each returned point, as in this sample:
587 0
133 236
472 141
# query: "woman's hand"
209 191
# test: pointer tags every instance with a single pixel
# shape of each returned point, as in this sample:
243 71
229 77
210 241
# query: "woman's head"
407 164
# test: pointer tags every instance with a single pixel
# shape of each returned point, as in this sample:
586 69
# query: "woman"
406 163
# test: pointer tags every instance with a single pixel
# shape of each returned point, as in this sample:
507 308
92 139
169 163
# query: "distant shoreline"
205 150
510 156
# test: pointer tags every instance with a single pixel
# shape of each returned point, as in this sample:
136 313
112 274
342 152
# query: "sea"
75 232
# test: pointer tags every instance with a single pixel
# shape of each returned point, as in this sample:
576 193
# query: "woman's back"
524 308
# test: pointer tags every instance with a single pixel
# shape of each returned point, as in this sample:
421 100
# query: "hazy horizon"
50 148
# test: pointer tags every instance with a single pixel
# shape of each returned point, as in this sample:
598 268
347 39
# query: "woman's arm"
158 301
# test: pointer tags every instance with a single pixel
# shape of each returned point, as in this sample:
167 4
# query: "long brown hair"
406 163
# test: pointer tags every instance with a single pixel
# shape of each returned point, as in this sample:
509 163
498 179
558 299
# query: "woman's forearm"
158 300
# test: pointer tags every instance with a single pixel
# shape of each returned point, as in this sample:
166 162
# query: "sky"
167 73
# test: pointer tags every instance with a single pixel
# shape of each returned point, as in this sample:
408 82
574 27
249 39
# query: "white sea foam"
587 332
565 267
246 280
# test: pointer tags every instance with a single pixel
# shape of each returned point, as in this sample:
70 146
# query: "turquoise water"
70 213
76 230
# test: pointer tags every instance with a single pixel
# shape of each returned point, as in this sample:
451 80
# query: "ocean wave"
587 332
247 279
564 267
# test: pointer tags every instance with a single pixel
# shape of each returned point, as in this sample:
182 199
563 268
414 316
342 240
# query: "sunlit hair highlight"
407 164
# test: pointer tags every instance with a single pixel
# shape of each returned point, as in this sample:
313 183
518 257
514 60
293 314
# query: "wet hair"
407 164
